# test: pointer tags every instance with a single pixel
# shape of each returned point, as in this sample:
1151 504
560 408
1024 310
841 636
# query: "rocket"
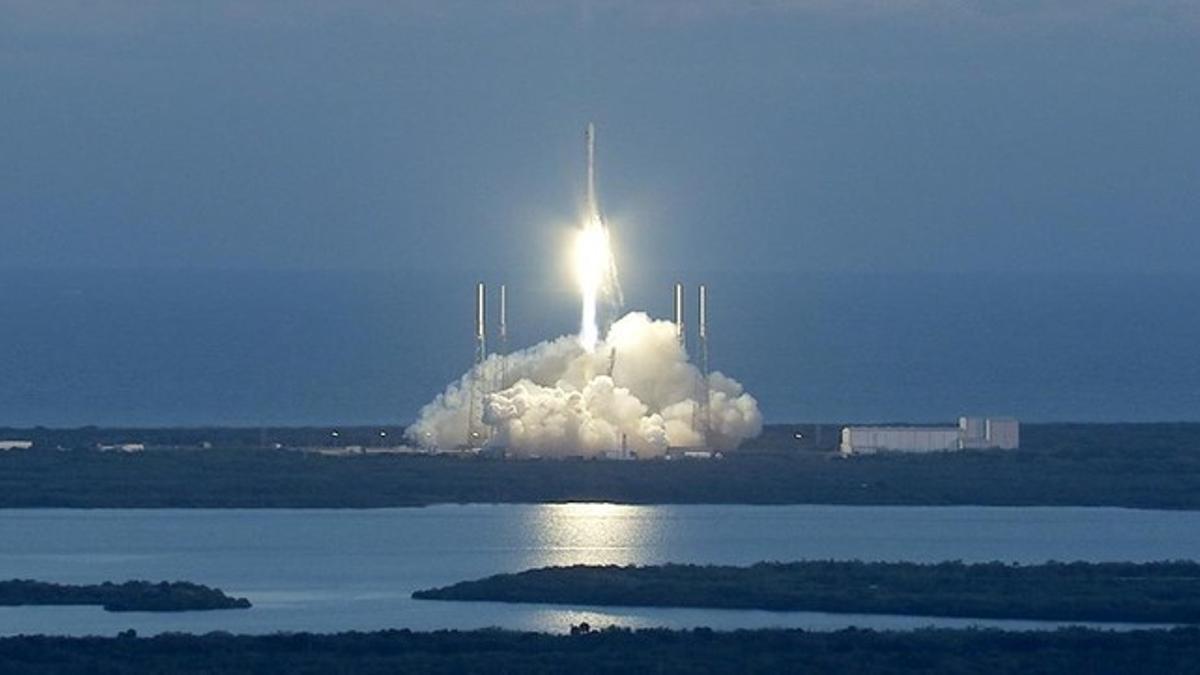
609 286
593 208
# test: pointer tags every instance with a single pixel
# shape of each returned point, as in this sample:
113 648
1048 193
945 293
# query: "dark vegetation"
1134 465
1164 592
131 596
614 651
775 438
87 438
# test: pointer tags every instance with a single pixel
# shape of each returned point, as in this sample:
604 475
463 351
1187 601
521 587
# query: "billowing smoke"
635 389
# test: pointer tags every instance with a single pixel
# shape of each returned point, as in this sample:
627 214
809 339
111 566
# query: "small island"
1159 592
131 596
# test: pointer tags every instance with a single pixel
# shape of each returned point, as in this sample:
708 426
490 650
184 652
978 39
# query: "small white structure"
339 450
16 445
867 440
971 433
124 447
1003 433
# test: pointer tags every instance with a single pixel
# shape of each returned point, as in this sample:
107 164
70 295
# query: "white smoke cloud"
558 399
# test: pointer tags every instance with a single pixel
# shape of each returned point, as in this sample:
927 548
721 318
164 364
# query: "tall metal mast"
706 395
474 435
503 335
679 328
702 319
480 332
503 319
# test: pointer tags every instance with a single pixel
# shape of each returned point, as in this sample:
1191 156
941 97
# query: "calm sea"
332 570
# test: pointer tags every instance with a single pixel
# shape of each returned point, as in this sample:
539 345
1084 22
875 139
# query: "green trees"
131 596
614 651
1161 592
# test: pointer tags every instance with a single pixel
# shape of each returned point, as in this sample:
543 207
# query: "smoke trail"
635 388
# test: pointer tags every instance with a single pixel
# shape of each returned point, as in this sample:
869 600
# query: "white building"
16 445
1003 433
124 447
867 440
971 432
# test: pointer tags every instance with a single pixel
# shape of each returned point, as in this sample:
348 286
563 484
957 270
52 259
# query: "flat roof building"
971 433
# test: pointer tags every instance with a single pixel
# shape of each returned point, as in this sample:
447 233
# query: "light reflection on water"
331 570
592 533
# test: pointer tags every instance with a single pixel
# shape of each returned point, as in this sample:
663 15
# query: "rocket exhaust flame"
594 264
621 387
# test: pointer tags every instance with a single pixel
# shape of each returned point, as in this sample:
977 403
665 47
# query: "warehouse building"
1002 433
971 433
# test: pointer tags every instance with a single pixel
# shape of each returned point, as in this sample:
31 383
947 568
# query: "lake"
332 570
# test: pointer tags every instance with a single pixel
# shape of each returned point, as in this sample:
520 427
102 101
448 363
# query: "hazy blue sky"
858 134
947 207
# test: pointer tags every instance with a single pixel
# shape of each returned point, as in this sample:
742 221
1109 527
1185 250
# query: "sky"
861 135
254 211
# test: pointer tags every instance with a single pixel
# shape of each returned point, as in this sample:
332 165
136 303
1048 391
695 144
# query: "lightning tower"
476 394
503 335
680 333
704 423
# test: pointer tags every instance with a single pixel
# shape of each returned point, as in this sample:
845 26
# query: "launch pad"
623 387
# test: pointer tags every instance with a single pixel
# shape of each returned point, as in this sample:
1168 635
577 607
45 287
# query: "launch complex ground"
1154 466
481 436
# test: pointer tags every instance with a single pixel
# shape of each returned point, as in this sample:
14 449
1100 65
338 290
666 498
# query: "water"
332 570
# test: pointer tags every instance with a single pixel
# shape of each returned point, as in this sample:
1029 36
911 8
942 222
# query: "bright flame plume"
595 272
